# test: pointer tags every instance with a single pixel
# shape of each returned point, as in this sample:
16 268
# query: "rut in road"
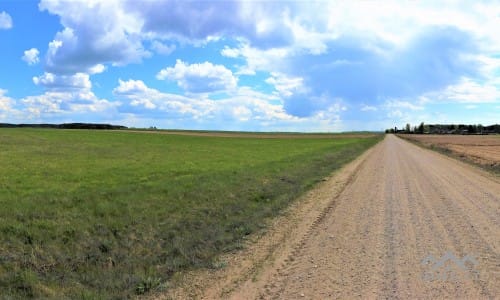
405 205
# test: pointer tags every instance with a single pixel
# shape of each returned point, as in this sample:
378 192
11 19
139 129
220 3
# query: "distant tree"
427 128
408 128
421 128
480 128
494 128
471 128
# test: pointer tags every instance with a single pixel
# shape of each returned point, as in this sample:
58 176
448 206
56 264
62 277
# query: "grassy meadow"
115 214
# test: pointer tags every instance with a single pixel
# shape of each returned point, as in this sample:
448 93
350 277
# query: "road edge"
248 270
445 152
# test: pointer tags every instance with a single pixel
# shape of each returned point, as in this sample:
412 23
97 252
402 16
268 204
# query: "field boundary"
495 170
263 135
247 270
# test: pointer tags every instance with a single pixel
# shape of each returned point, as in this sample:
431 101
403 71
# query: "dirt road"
404 205
399 222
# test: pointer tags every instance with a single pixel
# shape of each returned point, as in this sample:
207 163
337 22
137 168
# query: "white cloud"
6 103
368 108
261 23
246 109
131 87
68 96
468 91
31 56
199 78
5 20
64 82
140 96
258 59
406 55
113 31
285 85
161 48
95 32
401 104
97 69
230 52
56 106
64 103
8 111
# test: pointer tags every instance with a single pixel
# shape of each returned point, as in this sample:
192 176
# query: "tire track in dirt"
404 204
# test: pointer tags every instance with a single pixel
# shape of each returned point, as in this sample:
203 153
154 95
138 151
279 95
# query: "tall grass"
94 214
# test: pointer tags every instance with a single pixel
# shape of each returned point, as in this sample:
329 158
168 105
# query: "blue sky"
250 65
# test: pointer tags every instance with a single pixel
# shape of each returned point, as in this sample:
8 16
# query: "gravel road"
410 224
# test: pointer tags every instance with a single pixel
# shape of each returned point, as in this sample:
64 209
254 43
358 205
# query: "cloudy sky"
250 65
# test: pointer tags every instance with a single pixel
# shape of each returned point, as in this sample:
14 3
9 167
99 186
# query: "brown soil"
366 233
481 149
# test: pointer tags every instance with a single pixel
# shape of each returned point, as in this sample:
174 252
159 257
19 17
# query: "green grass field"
112 214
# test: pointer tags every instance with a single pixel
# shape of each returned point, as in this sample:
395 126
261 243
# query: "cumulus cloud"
162 48
286 86
95 32
467 91
144 100
199 78
391 50
8 110
5 20
113 31
434 59
31 56
273 59
96 69
261 23
246 109
6 103
57 105
77 104
318 56
368 108
401 104
67 96
64 82
131 87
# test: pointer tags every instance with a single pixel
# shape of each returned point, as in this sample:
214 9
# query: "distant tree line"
64 126
446 129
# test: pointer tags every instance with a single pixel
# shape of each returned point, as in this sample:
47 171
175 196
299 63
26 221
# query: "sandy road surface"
404 204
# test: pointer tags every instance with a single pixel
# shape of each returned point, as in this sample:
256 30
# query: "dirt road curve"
404 204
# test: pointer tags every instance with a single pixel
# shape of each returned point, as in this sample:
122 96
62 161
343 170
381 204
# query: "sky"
310 66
